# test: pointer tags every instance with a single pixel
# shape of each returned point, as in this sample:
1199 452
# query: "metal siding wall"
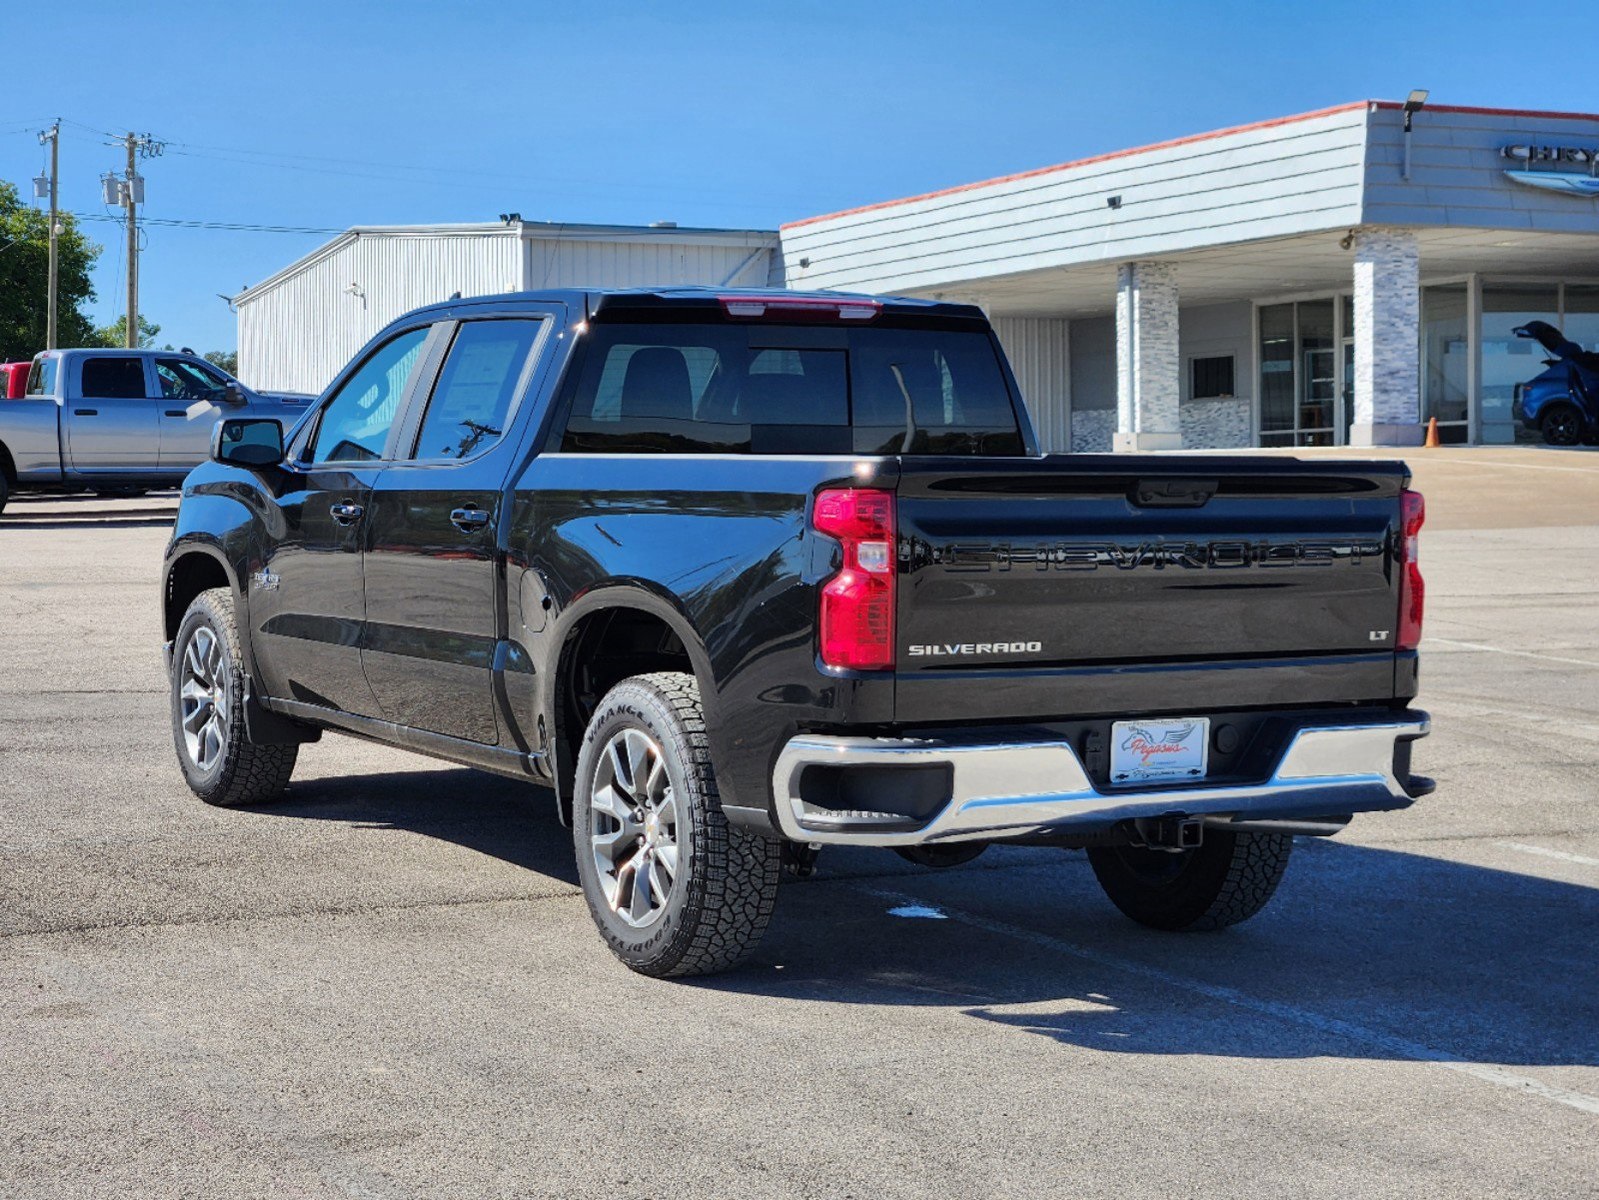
597 263
1457 175
1269 182
300 333
1040 356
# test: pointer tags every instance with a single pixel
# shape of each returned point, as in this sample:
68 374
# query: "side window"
110 378
184 380
355 424
42 378
471 402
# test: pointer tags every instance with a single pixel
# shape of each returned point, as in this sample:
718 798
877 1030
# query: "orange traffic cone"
1432 432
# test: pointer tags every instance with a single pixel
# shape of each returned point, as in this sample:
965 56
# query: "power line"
233 226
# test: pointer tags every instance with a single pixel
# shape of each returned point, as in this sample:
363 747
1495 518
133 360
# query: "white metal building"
298 327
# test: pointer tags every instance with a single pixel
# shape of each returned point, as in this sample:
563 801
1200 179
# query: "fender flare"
263 726
623 593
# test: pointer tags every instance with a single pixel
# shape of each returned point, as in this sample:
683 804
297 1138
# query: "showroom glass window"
1506 359
1444 357
1298 374
1581 322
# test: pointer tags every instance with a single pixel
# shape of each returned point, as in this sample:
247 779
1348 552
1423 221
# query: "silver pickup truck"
121 420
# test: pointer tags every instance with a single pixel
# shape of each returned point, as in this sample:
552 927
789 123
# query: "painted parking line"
1375 1038
1544 851
1554 658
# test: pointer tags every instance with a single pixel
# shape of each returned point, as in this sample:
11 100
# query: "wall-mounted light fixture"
1413 105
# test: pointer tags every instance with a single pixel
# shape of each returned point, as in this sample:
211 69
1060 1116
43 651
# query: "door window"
472 400
108 378
185 380
355 424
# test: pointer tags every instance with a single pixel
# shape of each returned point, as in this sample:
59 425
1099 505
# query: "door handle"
177 412
345 513
86 412
469 520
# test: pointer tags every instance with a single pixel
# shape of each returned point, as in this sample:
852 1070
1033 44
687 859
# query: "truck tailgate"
1078 585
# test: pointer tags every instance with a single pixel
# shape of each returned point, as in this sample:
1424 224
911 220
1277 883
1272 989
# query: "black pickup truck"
740 575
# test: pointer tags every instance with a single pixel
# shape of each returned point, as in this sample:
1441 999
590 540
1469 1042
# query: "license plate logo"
1141 751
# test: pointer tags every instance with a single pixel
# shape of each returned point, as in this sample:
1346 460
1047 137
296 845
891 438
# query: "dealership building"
1331 278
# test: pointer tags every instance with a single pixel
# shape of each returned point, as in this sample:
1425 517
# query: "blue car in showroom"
1562 403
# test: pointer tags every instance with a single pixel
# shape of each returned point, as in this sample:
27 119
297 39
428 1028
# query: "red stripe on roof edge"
1184 141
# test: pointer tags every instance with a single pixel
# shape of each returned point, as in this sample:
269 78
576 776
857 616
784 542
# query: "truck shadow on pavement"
1363 953
503 818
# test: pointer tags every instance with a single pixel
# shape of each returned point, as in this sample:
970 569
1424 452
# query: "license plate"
1142 751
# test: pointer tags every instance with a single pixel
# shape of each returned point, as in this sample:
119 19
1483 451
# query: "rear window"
771 389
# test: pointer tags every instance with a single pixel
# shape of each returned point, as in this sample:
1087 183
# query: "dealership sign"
1550 178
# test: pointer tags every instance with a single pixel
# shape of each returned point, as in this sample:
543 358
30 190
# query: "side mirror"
233 393
245 442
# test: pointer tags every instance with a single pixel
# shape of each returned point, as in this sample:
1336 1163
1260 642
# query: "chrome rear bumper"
1001 789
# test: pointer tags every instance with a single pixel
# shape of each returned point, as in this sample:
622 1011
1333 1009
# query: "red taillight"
1412 591
857 611
801 308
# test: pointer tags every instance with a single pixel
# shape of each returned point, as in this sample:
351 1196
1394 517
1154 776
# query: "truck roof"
594 300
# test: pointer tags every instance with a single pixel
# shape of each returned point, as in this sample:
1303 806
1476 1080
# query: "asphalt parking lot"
389 986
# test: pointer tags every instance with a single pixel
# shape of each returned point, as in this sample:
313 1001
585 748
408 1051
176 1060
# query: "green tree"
227 360
25 275
116 333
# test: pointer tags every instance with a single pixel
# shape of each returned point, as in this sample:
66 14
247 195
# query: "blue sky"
330 114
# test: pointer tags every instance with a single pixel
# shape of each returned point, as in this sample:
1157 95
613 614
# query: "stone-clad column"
1148 372
1387 339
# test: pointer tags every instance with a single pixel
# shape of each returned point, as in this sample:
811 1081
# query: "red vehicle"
14 380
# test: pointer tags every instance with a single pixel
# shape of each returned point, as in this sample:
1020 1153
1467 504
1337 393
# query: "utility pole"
130 191
133 244
53 136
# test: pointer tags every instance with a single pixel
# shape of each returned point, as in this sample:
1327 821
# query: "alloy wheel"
204 698
1563 428
635 828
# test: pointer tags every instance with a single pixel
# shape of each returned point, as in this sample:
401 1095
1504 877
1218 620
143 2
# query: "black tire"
1226 880
723 888
1563 425
5 491
229 770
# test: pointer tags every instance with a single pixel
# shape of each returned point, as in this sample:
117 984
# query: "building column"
1387 339
1148 370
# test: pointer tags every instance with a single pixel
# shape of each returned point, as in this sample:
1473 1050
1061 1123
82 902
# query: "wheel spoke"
619 767
626 873
639 909
199 716
639 754
666 856
608 802
666 810
657 784
193 663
